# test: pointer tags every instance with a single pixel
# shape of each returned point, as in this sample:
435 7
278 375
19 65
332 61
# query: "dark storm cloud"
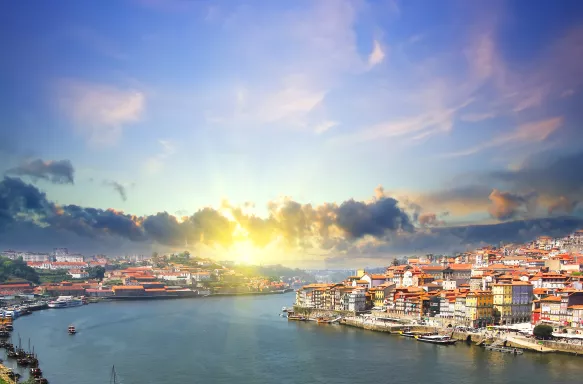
164 228
21 201
92 222
372 229
552 176
359 219
58 172
117 187
562 205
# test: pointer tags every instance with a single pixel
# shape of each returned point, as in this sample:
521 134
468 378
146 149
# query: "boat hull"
439 341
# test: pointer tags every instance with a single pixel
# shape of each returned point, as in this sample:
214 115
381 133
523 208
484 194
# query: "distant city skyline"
329 133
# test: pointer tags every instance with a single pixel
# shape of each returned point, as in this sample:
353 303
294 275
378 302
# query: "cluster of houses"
536 282
199 277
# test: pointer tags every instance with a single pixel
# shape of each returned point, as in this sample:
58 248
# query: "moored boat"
65 302
436 339
297 318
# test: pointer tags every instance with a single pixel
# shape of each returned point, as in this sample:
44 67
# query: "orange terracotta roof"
551 298
127 287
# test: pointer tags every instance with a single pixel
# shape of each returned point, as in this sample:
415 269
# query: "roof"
551 298
127 287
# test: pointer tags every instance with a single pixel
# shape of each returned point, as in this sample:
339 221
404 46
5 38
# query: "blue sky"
185 103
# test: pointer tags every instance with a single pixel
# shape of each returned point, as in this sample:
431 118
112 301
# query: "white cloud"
100 111
324 126
377 55
155 164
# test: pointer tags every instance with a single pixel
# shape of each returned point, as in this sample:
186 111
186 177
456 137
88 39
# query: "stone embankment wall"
381 326
464 336
315 313
576 349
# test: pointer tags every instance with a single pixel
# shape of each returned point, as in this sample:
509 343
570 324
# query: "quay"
498 343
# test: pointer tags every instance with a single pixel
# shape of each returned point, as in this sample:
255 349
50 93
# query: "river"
243 340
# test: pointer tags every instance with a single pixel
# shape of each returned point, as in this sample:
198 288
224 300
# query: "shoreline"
174 297
474 339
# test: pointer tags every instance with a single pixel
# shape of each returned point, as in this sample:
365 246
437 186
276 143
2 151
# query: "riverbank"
261 347
476 339
4 377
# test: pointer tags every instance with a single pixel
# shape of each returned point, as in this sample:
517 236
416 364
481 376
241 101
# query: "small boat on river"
297 318
72 330
436 339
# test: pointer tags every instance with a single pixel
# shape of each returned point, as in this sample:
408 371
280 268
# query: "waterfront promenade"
510 339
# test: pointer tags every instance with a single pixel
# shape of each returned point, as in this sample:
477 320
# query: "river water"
243 340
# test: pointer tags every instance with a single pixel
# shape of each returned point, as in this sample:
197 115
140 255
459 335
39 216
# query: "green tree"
17 269
97 272
543 331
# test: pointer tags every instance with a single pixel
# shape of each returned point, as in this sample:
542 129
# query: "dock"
517 342
514 351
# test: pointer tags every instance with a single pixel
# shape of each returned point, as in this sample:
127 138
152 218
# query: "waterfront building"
460 309
357 300
576 315
550 310
513 301
569 298
434 305
479 308
128 290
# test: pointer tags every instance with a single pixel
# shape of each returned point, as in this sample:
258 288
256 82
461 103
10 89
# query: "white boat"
436 339
65 302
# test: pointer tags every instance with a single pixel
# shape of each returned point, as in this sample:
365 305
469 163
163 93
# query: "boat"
408 334
36 372
296 318
513 351
65 302
113 379
72 330
436 339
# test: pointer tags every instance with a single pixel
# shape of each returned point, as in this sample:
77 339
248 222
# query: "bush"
543 331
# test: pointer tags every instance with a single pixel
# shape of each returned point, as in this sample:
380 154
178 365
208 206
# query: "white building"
374 280
34 256
357 300
78 274
407 279
201 276
70 258
449 285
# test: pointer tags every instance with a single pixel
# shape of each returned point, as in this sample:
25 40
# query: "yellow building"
479 308
502 302
381 292
512 301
